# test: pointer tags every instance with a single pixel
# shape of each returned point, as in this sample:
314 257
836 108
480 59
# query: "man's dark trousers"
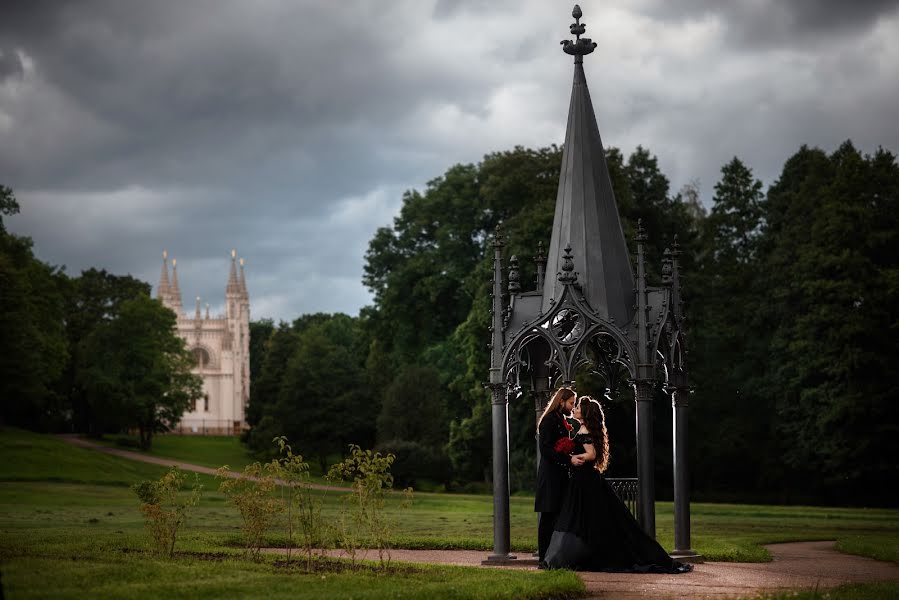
552 478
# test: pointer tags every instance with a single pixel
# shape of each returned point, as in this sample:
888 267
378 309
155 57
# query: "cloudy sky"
290 129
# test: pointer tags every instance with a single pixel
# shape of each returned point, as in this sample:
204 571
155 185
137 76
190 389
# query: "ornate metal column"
643 387
500 402
643 392
679 404
680 395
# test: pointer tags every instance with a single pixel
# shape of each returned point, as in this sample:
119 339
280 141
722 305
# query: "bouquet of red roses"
564 445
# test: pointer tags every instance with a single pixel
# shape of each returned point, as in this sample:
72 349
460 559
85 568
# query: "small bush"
252 493
304 510
164 513
363 509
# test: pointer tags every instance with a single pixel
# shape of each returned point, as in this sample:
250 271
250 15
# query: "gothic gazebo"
592 311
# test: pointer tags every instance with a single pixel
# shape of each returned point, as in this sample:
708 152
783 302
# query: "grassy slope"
66 511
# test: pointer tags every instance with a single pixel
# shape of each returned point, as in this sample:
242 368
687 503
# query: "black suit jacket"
552 472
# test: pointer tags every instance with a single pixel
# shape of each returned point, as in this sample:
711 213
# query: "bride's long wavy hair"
595 421
562 394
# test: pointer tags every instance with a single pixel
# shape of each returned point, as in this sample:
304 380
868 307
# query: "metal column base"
499 560
687 556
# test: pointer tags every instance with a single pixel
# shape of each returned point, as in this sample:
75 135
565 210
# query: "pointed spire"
162 290
233 286
207 311
197 313
175 291
243 281
586 214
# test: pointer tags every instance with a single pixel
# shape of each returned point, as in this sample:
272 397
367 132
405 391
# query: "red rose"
564 446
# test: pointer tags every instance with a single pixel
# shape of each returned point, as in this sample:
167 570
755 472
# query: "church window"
201 357
206 402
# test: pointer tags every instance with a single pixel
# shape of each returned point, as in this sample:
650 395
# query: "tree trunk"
146 437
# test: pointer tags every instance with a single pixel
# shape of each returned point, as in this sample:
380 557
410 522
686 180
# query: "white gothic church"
221 348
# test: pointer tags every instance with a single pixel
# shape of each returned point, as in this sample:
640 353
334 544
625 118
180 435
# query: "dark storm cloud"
167 82
290 130
10 64
781 23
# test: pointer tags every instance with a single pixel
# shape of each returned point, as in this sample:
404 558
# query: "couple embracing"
583 524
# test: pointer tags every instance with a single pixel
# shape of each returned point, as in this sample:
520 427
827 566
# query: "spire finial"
641 232
666 267
233 286
243 280
514 276
567 274
165 254
175 289
581 46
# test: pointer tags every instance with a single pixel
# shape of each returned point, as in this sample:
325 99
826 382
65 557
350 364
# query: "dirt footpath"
795 565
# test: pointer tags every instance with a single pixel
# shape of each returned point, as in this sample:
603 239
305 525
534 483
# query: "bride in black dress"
595 531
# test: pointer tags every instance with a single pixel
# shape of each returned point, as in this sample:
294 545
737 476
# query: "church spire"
243 282
233 286
162 290
586 215
175 291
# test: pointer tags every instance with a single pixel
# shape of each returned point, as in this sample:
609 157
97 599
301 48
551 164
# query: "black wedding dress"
596 532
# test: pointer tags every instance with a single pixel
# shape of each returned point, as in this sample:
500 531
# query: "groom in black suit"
552 472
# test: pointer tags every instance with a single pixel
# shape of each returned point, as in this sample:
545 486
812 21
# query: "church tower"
221 349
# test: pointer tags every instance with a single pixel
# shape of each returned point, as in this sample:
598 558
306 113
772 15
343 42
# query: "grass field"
69 510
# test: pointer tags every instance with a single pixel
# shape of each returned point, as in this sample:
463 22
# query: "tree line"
791 298
91 354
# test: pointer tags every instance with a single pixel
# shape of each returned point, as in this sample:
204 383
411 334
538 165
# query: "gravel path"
795 565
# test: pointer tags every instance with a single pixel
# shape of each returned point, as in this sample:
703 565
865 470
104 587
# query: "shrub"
304 510
363 509
164 513
252 493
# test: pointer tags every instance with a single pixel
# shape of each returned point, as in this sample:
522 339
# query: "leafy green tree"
93 298
733 426
413 408
260 334
265 389
137 371
321 402
33 352
831 264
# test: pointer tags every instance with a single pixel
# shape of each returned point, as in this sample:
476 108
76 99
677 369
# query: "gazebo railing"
626 489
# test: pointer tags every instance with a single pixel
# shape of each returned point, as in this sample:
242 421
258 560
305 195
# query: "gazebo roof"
586 215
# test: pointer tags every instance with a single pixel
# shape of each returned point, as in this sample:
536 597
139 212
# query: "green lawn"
70 509
852 591
70 528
